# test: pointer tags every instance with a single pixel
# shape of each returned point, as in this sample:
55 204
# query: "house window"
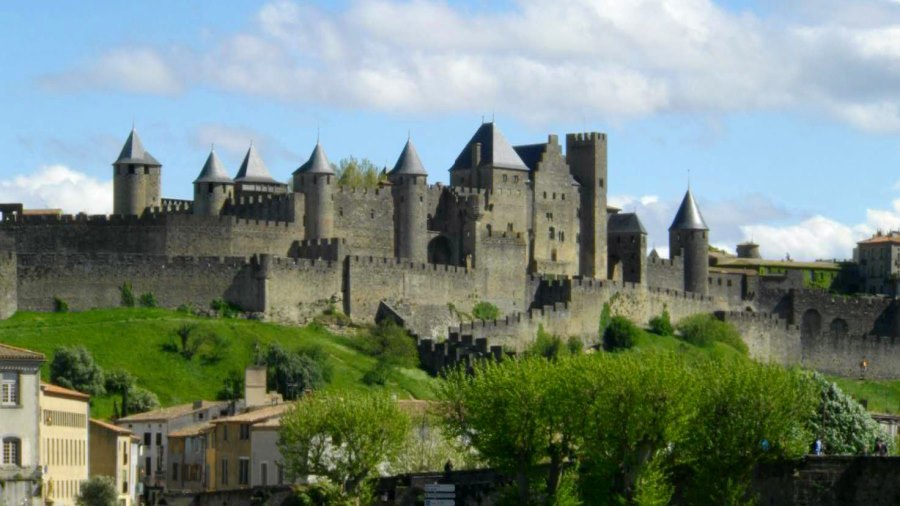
175 471
159 439
244 471
12 451
280 474
9 389
264 473
245 431
224 471
224 432
147 438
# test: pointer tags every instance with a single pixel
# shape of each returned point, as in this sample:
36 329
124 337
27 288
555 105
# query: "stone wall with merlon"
768 337
297 290
9 299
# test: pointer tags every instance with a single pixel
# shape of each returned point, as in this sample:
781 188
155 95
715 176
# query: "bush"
232 387
186 308
485 311
575 345
605 318
378 375
97 491
74 367
620 334
141 400
127 294
547 345
225 309
390 343
662 325
60 306
292 373
148 300
844 426
705 329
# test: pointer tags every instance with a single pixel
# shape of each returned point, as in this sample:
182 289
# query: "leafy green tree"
359 173
232 386
141 400
120 382
485 311
97 491
390 343
290 373
705 329
516 414
343 437
547 345
620 334
842 424
74 367
661 325
605 319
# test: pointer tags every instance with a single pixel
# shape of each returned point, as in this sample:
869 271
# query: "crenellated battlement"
585 138
402 264
379 193
124 259
767 320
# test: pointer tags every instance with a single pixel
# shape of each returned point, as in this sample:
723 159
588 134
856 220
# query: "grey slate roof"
409 163
530 154
495 150
253 170
213 171
625 223
688 216
133 152
317 164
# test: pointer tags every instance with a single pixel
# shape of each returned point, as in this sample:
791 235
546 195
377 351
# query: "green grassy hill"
134 339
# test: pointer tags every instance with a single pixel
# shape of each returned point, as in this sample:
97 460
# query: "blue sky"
785 114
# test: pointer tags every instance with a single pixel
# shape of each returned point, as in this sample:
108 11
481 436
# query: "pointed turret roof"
688 216
253 170
213 171
495 150
317 164
409 163
133 152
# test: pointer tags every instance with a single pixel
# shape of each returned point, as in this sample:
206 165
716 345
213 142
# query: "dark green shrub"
605 318
378 375
148 300
662 325
620 334
575 345
74 367
705 329
485 311
225 309
186 308
290 373
127 294
390 343
60 306
547 345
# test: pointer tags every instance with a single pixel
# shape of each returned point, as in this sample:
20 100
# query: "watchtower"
212 188
136 177
689 239
409 181
627 248
253 177
315 180
586 155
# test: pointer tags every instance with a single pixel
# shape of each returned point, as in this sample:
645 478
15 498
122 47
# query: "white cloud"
132 69
59 187
234 141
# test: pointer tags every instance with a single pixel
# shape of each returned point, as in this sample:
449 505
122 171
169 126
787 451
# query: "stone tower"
689 239
586 155
212 188
315 179
135 178
627 248
409 181
253 178
489 161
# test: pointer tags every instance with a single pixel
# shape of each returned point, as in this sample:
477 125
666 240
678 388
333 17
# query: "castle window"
550 216
515 179
131 169
563 196
553 255
146 170
562 236
504 178
372 214
601 182
554 195
489 229
340 211
552 233
421 198
509 227
545 195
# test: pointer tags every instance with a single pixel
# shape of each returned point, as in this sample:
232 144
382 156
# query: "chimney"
255 386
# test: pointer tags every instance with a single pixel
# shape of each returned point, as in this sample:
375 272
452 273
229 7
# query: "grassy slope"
133 339
882 396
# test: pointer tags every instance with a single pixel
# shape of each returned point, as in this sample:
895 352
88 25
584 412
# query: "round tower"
315 179
212 188
409 181
748 250
689 239
135 178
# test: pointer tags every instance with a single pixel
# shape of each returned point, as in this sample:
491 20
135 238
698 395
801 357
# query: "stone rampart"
9 297
286 207
86 281
366 218
294 290
769 338
663 273
333 250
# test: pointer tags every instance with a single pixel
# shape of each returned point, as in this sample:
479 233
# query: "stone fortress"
526 228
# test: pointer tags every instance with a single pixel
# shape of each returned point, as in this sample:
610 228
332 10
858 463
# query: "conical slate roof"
495 150
317 164
133 152
253 170
409 163
688 216
625 223
213 171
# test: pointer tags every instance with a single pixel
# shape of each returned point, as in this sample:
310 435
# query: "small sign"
440 487
440 502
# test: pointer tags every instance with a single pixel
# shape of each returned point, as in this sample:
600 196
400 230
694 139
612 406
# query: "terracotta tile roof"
8 352
270 424
111 427
56 390
732 262
882 239
256 415
170 412
192 430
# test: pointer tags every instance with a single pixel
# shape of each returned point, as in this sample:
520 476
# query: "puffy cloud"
59 187
542 60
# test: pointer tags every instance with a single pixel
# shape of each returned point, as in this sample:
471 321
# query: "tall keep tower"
410 185
212 188
135 178
586 155
315 180
689 239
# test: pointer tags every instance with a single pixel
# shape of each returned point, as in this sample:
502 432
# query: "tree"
141 400
291 373
74 367
843 425
705 329
390 343
356 173
620 334
661 325
485 311
120 381
343 437
97 491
